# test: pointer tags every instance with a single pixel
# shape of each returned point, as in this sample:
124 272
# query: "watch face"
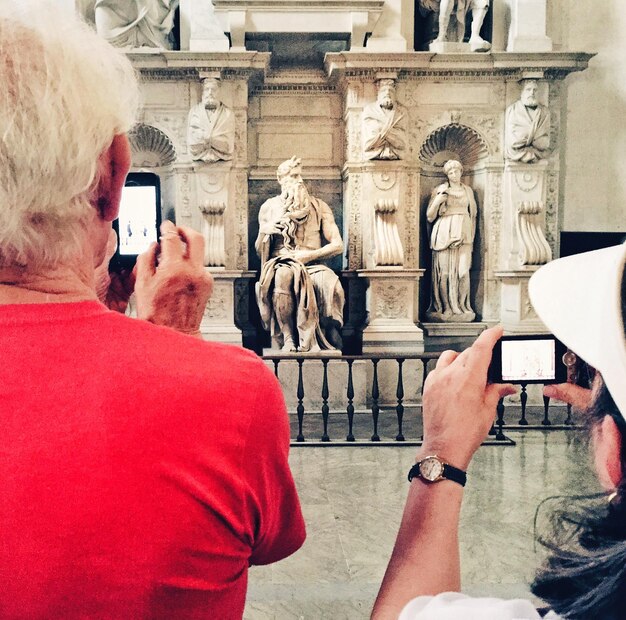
431 468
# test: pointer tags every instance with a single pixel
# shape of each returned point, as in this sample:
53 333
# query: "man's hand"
174 292
459 406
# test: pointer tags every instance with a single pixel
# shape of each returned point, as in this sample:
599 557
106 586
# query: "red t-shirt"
142 470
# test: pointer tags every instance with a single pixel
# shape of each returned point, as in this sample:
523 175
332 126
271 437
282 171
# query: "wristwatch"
433 469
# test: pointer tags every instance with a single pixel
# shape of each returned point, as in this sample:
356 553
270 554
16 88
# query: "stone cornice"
507 65
183 65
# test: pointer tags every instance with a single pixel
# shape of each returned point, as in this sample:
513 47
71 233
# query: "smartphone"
140 217
528 359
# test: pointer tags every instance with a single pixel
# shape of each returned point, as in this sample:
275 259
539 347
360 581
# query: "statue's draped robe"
527 132
136 23
384 132
211 137
452 240
318 292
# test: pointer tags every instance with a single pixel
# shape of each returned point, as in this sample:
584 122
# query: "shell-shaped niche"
454 141
151 148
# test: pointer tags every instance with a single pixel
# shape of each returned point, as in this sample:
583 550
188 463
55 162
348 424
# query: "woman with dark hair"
582 300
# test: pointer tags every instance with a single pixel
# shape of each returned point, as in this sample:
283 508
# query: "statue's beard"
530 101
297 203
386 103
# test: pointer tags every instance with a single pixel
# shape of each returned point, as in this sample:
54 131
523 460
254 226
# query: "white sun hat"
579 299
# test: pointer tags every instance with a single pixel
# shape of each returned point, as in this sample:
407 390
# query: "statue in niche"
451 17
211 126
527 127
383 124
300 299
136 23
452 212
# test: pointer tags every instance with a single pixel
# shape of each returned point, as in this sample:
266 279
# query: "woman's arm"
458 410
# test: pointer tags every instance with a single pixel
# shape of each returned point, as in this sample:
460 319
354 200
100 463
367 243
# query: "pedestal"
528 27
199 28
517 314
392 302
455 336
218 322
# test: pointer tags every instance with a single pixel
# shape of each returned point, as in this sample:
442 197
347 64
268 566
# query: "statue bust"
300 299
136 23
527 127
211 126
383 124
452 213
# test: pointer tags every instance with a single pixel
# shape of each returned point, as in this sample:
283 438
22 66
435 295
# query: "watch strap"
449 472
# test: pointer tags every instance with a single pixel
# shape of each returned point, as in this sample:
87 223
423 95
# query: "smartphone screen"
137 220
528 359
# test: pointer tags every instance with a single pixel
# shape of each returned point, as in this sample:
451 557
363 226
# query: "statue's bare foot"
289 345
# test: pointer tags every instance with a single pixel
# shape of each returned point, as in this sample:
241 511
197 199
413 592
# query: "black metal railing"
377 418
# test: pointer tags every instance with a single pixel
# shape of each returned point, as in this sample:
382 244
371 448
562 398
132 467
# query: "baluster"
350 408
375 397
523 398
546 406
424 373
325 436
300 395
276 362
568 420
400 397
500 409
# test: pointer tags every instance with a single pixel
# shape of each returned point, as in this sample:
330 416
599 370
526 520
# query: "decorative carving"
241 136
552 201
489 127
353 143
457 142
386 237
217 308
384 180
391 301
241 219
210 182
527 181
151 148
411 228
355 245
534 249
185 191
495 217
213 232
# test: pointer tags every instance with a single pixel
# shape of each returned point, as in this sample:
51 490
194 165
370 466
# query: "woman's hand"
459 406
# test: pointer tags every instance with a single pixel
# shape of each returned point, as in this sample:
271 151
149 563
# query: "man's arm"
458 408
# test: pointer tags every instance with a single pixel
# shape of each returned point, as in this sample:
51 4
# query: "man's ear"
114 164
607 443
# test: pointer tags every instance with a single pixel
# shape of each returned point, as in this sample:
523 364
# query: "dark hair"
585 573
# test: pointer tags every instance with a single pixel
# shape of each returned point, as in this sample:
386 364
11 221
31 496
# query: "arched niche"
454 141
151 148
464 144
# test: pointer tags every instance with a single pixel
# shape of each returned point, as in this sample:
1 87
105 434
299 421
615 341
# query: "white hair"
65 94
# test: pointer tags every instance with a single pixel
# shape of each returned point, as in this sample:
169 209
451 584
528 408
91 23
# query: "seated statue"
451 18
136 23
527 127
383 124
211 126
300 299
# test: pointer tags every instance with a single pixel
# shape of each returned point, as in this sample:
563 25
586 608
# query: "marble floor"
353 497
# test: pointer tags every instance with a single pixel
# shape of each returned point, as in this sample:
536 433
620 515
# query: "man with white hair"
384 124
143 470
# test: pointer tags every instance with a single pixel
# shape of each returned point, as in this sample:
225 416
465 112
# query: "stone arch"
454 141
151 148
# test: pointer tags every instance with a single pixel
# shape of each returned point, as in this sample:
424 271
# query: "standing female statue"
452 213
